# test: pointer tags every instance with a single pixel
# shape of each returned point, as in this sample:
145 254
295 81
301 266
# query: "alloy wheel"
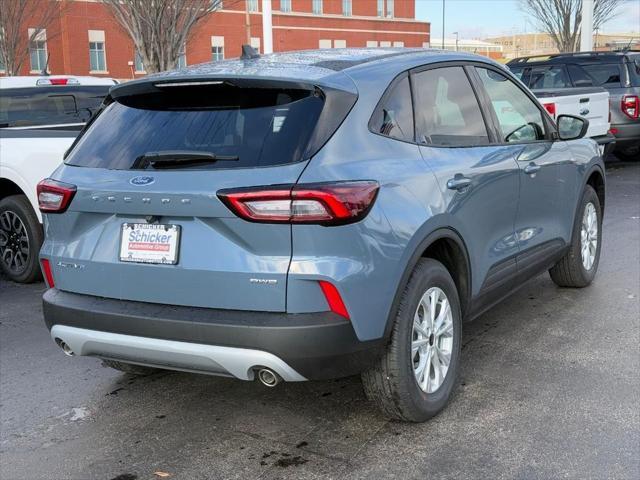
432 340
589 236
14 242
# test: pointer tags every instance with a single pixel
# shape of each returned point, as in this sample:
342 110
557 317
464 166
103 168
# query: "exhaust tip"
65 348
268 377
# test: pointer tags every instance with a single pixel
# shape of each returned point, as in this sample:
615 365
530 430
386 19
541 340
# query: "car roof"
578 57
324 67
41 81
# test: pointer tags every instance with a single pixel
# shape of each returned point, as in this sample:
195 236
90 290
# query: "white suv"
39 119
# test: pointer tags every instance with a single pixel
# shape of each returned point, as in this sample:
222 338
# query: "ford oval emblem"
142 180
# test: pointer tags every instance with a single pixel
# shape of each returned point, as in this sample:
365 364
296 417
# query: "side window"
603 74
548 77
394 115
447 111
519 118
579 77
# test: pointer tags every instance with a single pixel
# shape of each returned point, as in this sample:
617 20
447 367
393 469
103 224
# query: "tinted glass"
27 107
260 127
447 111
579 77
517 71
394 116
603 75
548 77
518 116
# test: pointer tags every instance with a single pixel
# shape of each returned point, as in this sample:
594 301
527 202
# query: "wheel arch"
8 188
596 179
446 245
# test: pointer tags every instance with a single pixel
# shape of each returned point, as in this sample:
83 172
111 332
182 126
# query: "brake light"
334 299
321 203
54 196
630 106
46 270
57 81
551 108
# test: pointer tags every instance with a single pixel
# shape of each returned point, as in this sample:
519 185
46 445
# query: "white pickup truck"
590 103
39 119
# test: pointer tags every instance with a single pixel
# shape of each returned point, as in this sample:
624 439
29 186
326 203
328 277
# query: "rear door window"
394 116
596 75
41 106
548 77
447 111
245 127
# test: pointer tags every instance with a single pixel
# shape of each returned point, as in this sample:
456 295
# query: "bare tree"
160 28
562 19
16 17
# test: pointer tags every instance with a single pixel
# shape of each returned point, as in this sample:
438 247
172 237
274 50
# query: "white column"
267 30
586 38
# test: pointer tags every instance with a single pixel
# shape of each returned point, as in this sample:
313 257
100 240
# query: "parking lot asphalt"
550 388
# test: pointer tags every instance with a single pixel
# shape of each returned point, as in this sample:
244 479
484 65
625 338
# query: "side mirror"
571 127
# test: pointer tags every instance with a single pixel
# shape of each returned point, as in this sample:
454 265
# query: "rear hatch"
146 224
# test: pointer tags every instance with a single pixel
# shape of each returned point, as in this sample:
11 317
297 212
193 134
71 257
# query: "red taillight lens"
46 270
334 299
551 108
325 204
54 196
631 106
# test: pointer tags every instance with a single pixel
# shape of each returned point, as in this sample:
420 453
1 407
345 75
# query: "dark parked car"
617 72
313 215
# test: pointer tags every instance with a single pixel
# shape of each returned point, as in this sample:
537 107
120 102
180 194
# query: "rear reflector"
334 299
46 270
551 108
54 196
321 203
631 106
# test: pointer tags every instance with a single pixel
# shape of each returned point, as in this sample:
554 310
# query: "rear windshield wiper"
179 158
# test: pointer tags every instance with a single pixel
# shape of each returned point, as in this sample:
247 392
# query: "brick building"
86 40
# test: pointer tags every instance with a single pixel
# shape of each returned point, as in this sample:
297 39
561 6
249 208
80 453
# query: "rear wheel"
20 239
417 374
579 266
130 368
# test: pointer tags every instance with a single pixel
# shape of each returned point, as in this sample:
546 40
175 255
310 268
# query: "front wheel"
417 374
580 264
20 240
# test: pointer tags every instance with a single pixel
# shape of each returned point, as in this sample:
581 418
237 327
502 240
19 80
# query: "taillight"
334 299
321 203
54 196
57 81
630 106
46 270
551 108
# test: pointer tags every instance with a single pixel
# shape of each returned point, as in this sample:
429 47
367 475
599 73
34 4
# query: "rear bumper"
220 342
627 135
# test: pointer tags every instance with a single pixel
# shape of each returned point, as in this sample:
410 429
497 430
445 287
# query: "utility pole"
442 24
456 34
247 21
267 27
586 35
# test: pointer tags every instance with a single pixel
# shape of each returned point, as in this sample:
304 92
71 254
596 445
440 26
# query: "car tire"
392 384
629 154
574 269
130 368
19 229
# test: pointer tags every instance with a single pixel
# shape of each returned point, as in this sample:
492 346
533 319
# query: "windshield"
260 127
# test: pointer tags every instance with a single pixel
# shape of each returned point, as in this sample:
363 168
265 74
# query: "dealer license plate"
149 243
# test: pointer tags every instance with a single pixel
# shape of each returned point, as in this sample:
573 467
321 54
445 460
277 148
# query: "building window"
339 44
255 43
385 44
38 49
317 7
285 5
398 44
346 8
139 66
252 5
217 48
324 44
372 43
380 11
390 8
97 58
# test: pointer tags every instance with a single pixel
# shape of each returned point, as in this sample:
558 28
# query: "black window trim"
387 93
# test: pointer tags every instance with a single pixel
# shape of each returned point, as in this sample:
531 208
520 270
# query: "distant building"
480 47
528 44
86 40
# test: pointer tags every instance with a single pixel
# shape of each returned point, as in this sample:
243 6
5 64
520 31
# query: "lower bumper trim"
215 360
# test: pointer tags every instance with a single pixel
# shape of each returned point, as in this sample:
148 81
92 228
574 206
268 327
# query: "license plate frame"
150 252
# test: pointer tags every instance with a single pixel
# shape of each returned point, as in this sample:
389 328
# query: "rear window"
38 106
548 77
245 127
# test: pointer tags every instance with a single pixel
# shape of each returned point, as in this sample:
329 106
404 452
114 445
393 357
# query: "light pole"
456 34
442 24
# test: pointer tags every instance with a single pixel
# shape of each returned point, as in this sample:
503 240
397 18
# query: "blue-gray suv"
313 215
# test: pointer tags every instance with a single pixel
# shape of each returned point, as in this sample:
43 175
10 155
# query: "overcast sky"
483 18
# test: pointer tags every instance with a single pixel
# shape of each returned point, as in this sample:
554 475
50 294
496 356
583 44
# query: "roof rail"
549 56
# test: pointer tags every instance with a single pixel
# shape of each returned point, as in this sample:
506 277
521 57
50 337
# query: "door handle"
458 183
531 168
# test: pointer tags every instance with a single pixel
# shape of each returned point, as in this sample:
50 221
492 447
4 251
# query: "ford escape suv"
313 215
